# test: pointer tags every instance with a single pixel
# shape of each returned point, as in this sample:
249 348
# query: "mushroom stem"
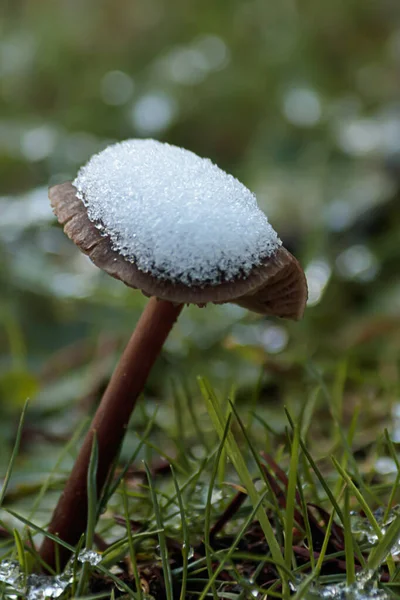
109 425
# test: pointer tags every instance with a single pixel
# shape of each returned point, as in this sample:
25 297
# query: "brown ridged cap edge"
284 293
276 287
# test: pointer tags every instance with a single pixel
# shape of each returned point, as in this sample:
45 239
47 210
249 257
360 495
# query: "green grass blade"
231 551
222 458
199 432
46 484
92 513
207 520
291 497
381 552
132 552
238 462
99 596
254 398
304 512
13 454
318 473
38 529
266 426
92 494
117 551
307 412
326 488
347 479
348 540
119 583
161 538
363 503
272 498
185 533
338 390
76 565
113 483
180 434
192 481
21 554
350 437
339 429
396 483
303 587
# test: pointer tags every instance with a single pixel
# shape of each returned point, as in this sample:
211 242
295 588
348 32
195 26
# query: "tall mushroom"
175 226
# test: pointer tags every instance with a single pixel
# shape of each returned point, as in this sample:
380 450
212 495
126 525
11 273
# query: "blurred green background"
298 99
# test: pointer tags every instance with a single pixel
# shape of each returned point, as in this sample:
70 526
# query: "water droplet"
116 88
154 113
357 262
318 273
302 106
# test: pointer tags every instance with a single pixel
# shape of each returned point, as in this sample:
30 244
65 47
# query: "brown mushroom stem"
109 423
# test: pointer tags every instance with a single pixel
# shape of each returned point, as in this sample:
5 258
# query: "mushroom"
165 221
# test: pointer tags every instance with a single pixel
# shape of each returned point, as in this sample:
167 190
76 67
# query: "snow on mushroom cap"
175 215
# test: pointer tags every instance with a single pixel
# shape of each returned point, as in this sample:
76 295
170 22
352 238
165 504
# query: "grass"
278 523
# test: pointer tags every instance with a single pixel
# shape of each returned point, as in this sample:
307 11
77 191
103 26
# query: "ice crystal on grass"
10 572
90 556
364 530
33 587
364 588
41 587
174 214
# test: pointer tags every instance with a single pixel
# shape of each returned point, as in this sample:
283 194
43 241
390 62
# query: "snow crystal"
174 214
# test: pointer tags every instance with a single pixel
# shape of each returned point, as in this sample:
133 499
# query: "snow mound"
175 215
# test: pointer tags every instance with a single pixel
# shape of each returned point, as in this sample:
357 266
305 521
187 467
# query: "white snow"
174 214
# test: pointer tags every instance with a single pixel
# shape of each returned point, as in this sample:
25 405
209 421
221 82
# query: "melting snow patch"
174 214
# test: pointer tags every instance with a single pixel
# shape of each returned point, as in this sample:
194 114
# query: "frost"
174 214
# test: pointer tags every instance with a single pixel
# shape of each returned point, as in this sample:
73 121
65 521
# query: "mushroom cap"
174 214
276 286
